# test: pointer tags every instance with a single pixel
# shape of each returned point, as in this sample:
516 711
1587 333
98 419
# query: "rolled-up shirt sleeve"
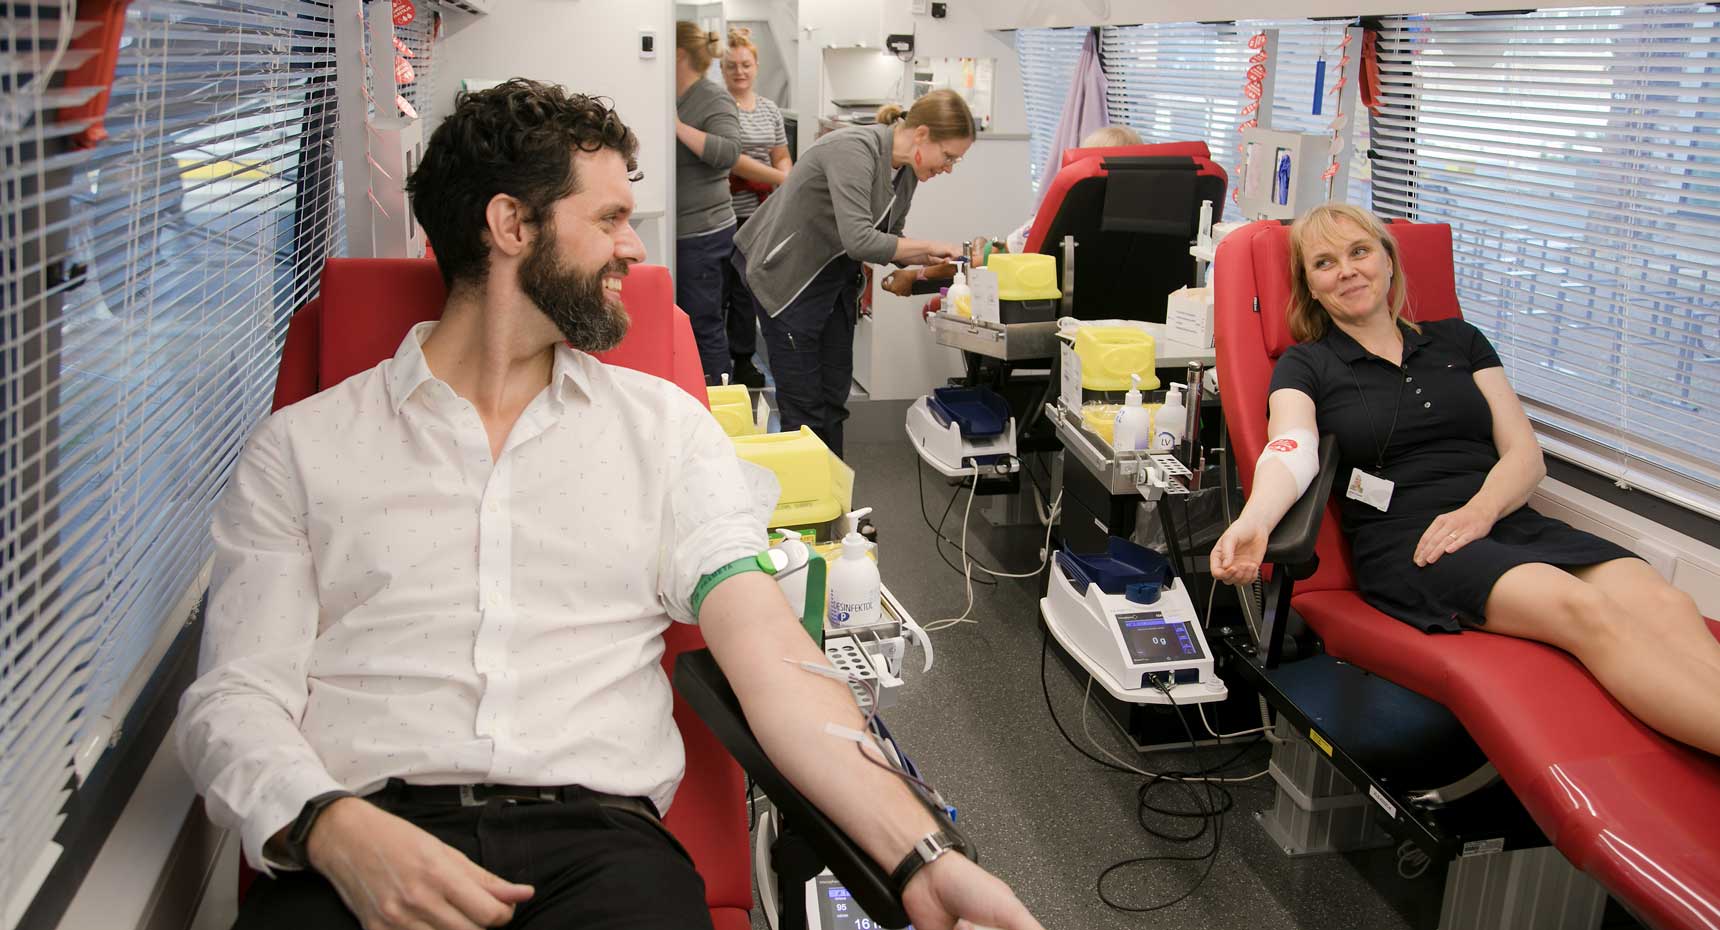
711 519
722 138
238 732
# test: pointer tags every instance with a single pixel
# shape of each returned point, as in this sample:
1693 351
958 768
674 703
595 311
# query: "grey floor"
1046 819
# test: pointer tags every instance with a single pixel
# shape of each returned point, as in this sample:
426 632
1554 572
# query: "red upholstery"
1194 149
366 307
1635 810
1081 164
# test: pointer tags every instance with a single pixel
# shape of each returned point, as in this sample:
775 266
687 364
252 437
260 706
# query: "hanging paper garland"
404 49
405 11
1340 119
1369 77
403 73
1254 85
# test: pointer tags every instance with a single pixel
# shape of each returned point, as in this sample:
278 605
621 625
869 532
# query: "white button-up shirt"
387 602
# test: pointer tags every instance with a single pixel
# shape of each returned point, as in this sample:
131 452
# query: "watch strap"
299 835
929 849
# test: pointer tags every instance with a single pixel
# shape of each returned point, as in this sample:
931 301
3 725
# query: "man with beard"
430 693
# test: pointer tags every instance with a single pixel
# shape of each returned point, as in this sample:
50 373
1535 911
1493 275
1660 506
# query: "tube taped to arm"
1298 451
707 584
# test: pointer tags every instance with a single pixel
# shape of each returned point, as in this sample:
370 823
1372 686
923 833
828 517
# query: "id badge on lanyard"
1370 487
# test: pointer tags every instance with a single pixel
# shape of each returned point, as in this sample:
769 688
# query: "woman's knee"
1593 616
1661 605
1672 601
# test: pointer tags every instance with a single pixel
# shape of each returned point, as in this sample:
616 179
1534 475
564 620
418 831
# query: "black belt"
477 795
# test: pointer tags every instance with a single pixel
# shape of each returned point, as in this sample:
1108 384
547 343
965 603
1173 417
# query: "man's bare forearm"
750 630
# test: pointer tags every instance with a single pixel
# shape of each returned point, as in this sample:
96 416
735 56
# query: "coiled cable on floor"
1209 810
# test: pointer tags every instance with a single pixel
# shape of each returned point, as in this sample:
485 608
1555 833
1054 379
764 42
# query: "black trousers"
699 264
593 868
741 312
811 345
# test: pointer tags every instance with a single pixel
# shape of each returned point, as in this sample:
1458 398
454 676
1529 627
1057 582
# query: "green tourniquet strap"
707 584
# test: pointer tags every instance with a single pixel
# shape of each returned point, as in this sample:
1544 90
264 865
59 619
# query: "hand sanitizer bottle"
960 300
855 587
1134 424
1168 432
795 556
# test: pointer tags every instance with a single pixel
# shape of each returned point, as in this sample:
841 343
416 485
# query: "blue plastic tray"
978 412
1121 564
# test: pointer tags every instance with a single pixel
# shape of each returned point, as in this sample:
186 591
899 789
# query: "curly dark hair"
517 138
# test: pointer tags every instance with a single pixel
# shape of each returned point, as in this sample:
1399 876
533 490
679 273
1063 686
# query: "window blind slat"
1048 58
130 387
1507 213
1570 153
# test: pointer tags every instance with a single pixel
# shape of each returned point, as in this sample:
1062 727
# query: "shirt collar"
1351 351
410 370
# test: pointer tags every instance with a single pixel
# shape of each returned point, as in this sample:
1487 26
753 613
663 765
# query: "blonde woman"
763 165
1439 460
905 281
843 204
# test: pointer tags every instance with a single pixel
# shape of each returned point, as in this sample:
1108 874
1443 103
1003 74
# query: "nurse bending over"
844 203
1438 460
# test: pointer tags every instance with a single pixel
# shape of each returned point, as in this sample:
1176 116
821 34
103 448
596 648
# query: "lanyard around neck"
1397 405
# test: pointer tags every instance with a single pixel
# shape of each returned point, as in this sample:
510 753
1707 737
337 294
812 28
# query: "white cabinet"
844 23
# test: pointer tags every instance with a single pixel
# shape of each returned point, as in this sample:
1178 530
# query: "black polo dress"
1426 427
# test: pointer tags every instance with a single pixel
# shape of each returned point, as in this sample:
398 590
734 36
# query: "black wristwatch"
930 847
299 834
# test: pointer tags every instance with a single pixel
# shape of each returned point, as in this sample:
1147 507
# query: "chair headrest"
1081 166
370 303
1424 250
1191 149
648 293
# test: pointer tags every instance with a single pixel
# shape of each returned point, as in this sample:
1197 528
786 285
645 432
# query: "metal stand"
1316 809
1526 889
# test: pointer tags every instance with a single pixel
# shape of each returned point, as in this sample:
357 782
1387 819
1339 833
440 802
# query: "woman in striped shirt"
763 164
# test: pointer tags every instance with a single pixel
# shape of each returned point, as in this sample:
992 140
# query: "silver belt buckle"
468 797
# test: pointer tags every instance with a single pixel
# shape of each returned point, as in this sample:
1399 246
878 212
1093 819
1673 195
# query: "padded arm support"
701 682
1291 545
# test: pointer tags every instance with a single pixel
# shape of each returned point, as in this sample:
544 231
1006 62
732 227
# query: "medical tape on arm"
1298 451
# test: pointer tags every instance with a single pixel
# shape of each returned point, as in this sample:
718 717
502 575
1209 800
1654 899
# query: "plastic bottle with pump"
1170 420
795 556
960 299
1134 425
856 590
